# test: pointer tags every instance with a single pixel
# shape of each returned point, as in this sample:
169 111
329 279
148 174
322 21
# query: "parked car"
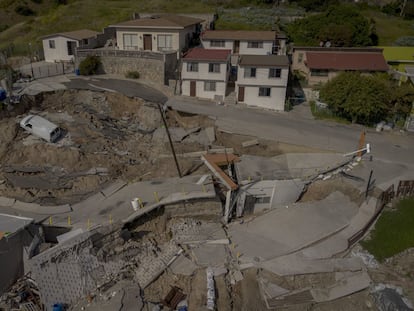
41 127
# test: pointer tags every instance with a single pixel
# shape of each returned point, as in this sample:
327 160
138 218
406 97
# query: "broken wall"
11 259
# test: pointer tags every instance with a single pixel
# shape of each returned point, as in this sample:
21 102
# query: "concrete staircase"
230 99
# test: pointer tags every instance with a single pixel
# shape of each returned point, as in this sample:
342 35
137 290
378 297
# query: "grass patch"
326 114
390 28
394 231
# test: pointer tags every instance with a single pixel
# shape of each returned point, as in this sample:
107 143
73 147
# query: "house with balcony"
245 42
61 47
205 73
320 64
159 33
262 81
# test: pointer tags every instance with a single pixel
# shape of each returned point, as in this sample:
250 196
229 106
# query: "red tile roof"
346 61
207 54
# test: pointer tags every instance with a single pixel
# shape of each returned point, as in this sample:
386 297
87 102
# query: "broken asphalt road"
126 87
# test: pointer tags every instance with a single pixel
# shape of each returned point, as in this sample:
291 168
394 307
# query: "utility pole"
31 65
169 139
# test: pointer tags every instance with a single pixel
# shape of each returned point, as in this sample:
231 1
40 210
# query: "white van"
41 127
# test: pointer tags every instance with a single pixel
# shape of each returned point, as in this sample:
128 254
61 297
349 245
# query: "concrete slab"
11 224
339 242
6 202
271 235
211 134
342 288
296 264
270 290
210 255
288 166
111 189
184 266
41 209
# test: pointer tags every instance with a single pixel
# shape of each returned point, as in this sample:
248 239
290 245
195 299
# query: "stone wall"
149 69
152 66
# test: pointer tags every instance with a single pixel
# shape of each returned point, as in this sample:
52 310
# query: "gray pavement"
293 128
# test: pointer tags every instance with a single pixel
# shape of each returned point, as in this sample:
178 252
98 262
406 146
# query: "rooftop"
161 21
207 54
370 61
240 35
264 60
75 35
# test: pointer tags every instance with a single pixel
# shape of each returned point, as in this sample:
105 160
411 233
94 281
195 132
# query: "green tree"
359 98
342 25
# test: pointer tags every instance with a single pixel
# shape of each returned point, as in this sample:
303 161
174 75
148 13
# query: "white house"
205 73
61 46
245 42
157 33
262 81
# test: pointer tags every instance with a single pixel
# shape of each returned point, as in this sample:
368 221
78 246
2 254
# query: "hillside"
49 17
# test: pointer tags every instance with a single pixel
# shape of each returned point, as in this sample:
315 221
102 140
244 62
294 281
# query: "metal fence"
405 189
44 69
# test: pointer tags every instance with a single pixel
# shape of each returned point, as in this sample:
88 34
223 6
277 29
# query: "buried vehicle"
41 127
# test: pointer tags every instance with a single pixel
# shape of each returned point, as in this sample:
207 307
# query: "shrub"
405 41
3 27
24 10
90 65
37 1
132 75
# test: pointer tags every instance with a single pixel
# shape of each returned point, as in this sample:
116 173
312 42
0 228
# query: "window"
71 46
319 72
192 67
164 42
213 67
130 41
217 43
85 41
262 200
254 45
209 86
275 72
300 58
250 72
264 91
52 44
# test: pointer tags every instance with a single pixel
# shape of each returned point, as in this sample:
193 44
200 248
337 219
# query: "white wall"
228 45
220 89
262 77
276 100
266 49
140 37
203 73
178 37
60 52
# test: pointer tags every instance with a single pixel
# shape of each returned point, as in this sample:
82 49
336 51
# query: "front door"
240 98
236 46
148 42
192 88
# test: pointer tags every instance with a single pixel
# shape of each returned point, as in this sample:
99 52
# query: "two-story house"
262 81
245 42
205 73
320 64
61 46
157 33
